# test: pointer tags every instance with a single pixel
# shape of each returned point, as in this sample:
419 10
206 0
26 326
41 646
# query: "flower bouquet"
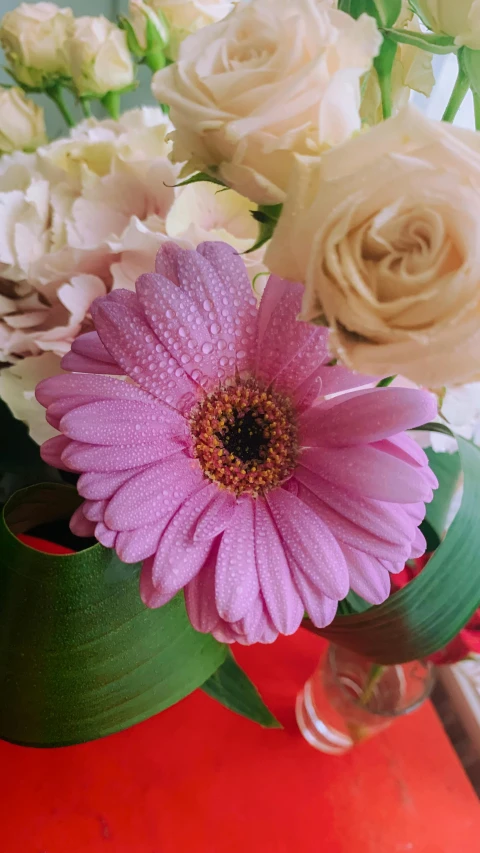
221 319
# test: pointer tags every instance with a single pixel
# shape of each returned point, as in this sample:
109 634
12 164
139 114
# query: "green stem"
111 102
457 97
383 66
56 95
374 676
85 107
155 61
476 107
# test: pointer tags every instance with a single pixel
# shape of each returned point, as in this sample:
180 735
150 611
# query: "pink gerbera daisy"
223 463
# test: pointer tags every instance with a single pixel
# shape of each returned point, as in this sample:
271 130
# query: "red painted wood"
198 779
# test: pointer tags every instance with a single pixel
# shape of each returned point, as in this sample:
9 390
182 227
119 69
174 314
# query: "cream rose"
22 126
145 21
34 37
250 92
385 233
457 18
412 70
99 56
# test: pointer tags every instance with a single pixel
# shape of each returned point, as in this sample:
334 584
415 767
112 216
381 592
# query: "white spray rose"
457 18
250 92
34 37
22 125
100 59
385 233
187 16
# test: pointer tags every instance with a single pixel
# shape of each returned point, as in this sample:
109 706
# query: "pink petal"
102 458
215 517
98 487
378 518
153 494
89 355
288 350
236 579
122 422
368 472
308 541
79 364
321 609
150 596
368 577
166 262
200 596
94 510
132 546
51 451
90 346
373 416
105 536
56 388
178 324
178 558
280 594
406 448
345 532
337 378
79 525
231 293
130 340
419 545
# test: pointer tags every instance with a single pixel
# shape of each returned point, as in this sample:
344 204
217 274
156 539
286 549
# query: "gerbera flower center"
245 437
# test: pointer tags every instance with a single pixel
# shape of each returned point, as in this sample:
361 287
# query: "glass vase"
349 698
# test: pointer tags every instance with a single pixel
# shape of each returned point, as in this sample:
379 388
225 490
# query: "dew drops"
207 305
223 361
169 314
207 347
184 358
241 354
182 332
214 329
196 375
221 344
197 358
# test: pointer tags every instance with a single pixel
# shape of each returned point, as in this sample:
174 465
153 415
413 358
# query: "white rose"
201 213
457 18
34 37
143 18
250 92
99 56
187 16
22 126
385 233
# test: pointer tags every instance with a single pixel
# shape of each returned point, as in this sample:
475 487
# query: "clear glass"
348 698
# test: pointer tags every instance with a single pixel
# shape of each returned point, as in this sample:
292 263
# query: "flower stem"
85 107
111 102
383 66
56 95
476 107
374 676
457 97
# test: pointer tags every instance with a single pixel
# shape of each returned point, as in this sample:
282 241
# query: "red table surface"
199 779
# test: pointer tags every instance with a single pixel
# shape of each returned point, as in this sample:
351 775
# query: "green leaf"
80 655
384 383
430 611
425 41
232 688
267 216
385 12
200 177
447 468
